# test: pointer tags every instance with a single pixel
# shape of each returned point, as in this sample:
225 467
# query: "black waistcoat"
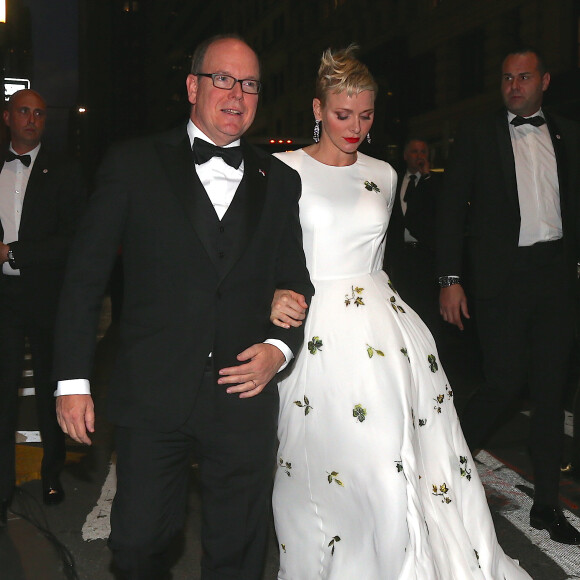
221 237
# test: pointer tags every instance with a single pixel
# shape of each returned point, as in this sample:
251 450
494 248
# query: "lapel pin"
558 136
45 171
262 172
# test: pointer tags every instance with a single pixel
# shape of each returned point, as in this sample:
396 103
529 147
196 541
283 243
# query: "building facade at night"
436 61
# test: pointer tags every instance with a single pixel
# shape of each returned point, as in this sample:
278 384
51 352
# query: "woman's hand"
288 309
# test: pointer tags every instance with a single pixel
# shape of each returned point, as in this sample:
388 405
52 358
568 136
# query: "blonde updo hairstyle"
341 71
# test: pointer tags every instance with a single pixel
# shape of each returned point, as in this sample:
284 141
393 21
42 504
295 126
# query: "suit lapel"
176 157
248 202
561 168
35 186
256 172
559 152
397 220
506 155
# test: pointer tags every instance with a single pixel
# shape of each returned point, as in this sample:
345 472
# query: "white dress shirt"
220 181
13 181
537 181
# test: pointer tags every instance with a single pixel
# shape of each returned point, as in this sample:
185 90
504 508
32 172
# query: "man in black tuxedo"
41 198
207 237
410 251
515 177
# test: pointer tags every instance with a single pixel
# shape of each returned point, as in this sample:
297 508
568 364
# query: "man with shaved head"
41 198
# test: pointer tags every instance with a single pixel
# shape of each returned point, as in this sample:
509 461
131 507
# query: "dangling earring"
316 135
368 137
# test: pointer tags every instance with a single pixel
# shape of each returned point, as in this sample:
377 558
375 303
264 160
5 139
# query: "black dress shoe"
3 512
554 521
52 491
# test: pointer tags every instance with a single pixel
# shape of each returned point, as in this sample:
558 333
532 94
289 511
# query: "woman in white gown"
374 478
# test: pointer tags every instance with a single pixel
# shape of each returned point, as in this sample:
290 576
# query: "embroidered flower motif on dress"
439 399
332 544
358 301
463 469
359 413
315 344
371 351
432 363
395 306
306 405
372 186
442 492
332 477
286 466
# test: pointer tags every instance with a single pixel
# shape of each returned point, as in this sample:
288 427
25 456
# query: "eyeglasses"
227 82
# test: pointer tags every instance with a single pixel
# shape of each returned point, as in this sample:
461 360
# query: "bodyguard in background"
41 198
518 170
410 254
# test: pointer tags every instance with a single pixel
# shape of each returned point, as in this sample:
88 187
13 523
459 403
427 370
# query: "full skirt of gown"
374 478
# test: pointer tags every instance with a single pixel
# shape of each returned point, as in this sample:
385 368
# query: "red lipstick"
351 139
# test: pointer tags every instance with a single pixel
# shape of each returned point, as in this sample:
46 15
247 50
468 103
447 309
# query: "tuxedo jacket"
187 292
419 218
54 200
480 191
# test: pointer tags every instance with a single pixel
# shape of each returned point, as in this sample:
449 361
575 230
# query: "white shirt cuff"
288 354
73 387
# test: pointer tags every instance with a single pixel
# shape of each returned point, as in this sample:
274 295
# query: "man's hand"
76 416
424 166
453 304
4 252
288 309
250 378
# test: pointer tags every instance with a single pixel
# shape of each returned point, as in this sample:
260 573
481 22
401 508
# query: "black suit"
524 296
194 285
53 202
411 266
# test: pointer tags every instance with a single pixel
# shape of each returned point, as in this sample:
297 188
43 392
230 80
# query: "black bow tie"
536 121
25 159
204 151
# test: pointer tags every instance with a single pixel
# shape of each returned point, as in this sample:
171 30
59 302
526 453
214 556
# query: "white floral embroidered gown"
374 478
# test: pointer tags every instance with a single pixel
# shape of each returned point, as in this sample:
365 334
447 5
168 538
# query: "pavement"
69 541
